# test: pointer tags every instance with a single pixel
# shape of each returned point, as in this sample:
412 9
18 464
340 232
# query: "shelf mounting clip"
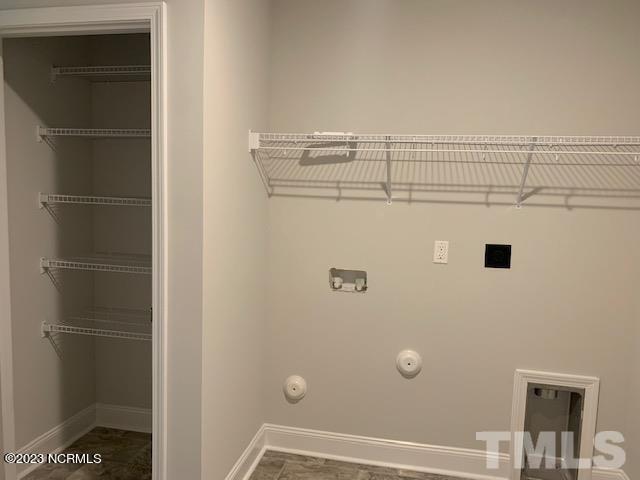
45 265
43 200
254 141
45 329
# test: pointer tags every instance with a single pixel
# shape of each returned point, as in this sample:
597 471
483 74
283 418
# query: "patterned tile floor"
125 456
286 466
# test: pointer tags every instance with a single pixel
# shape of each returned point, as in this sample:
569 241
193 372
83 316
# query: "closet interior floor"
125 456
287 466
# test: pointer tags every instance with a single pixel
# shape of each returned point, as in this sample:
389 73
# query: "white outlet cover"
295 388
409 363
441 251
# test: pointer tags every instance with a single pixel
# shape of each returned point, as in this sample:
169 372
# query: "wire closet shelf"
103 72
287 159
100 262
95 133
45 199
125 323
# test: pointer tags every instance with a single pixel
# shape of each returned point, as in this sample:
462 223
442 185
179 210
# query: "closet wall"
52 380
122 168
1 432
449 67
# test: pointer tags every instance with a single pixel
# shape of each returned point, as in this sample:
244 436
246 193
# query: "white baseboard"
124 418
454 462
249 459
59 437
99 414
613 474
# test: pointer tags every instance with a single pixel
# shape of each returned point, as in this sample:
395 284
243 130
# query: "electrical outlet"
441 251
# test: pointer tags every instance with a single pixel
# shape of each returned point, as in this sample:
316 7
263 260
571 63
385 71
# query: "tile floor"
286 466
125 456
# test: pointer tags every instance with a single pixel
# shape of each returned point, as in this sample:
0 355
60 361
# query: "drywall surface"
185 47
235 231
633 440
54 377
185 227
6 354
122 168
449 67
1 434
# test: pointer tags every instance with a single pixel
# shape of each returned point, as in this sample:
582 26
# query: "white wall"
633 440
185 203
443 67
122 168
1 434
185 25
235 226
6 401
53 378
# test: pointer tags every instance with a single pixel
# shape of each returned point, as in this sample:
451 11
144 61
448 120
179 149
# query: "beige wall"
123 168
6 429
463 68
1 435
185 204
53 379
443 67
185 25
633 453
235 226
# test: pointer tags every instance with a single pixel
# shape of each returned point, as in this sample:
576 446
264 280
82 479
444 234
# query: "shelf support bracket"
254 146
525 173
55 71
388 182
44 265
43 199
44 329
40 133
254 141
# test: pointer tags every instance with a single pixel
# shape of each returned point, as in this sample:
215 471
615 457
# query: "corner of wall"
185 53
235 231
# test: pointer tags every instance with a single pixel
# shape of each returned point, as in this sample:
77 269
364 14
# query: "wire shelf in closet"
98 73
43 132
54 198
101 262
406 164
125 323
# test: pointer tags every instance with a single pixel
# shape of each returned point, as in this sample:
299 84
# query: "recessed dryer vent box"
497 256
353 281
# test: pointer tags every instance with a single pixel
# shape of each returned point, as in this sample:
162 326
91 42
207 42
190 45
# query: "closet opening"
81 169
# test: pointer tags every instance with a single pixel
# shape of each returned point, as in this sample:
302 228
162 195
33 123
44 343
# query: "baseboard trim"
608 474
123 417
455 462
96 415
249 459
449 461
59 437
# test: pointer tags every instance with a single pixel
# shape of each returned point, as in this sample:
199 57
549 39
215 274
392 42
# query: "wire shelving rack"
104 72
95 133
125 323
405 163
45 199
101 262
